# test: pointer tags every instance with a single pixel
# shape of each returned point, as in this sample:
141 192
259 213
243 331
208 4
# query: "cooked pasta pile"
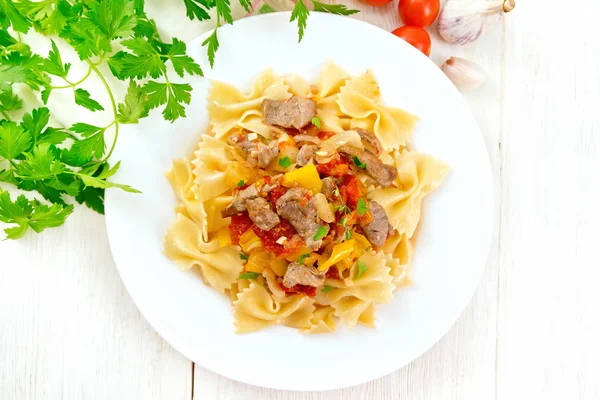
302 200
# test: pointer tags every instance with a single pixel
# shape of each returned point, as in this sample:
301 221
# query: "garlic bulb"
461 21
463 73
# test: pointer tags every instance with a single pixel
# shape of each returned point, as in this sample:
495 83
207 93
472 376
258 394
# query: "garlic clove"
462 21
463 73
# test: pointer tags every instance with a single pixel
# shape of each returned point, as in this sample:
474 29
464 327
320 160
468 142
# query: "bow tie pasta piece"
182 181
322 321
255 308
298 86
398 256
418 175
330 80
359 100
219 266
351 310
211 160
228 107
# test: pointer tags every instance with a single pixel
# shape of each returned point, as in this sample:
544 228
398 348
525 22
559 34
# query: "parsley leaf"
93 198
41 164
343 221
13 140
173 94
114 18
223 10
197 8
321 232
300 13
361 206
82 97
30 214
302 258
327 289
249 275
316 121
241 183
54 65
265 9
10 74
243 256
362 268
348 234
213 45
134 106
359 163
100 180
181 61
338 9
9 101
285 162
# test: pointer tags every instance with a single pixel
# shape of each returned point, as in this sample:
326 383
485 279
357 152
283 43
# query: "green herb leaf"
321 232
30 214
343 208
223 10
93 198
327 289
11 74
54 65
249 275
13 140
302 257
241 183
100 180
181 61
41 164
343 221
361 206
134 107
198 9
82 97
173 94
114 18
247 4
300 13
336 192
266 9
359 163
213 45
285 162
362 268
10 101
316 121
243 256
338 9
348 234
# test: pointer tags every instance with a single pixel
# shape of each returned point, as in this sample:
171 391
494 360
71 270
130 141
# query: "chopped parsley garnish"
327 289
348 234
321 233
249 275
362 268
241 183
343 221
343 209
243 256
336 192
285 162
316 121
361 206
302 257
359 163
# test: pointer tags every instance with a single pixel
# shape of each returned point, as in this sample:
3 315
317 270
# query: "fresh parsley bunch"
56 163
199 9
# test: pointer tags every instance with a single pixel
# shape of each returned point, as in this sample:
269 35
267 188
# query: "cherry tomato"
419 12
416 36
377 3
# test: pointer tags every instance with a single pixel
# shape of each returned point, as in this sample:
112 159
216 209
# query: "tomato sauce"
269 239
276 193
334 168
350 189
307 290
332 273
240 223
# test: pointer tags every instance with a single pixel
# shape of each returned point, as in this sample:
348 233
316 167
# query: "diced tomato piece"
351 190
307 290
240 223
269 239
334 168
332 273
325 135
276 193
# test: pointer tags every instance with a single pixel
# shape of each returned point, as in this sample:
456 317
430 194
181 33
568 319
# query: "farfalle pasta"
302 200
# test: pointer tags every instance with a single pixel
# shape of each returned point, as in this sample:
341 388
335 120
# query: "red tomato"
377 3
416 36
350 188
240 223
419 12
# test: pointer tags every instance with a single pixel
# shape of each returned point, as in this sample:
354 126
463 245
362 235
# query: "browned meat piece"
297 274
305 154
275 181
296 112
238 205
258 154
382 173
261 213
329 188
371 139
297 207
378 230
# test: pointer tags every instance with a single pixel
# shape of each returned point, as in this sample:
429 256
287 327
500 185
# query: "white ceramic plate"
453 238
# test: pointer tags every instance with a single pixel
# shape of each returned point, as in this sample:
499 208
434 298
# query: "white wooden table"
69 330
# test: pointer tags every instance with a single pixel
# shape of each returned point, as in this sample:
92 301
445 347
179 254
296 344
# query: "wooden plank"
462 364
548 313
69 329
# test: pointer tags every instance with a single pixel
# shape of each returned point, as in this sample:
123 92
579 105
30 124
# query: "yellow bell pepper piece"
223 236
257 262
295 256
340 251
249 241
363 241
279 267
307 177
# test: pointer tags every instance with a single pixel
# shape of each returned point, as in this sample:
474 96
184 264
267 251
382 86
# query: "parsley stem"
5 115
73 84
114 107
19 37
